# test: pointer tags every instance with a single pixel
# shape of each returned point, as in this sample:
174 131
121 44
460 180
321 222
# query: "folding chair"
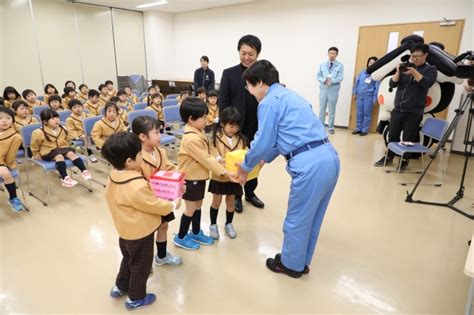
170 102
46 166
40 98
172 117
433 128
139 106
38 118
165 139
16 176
38 109
171 96
63 115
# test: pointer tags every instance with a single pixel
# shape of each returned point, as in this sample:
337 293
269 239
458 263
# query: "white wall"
160 45
295 36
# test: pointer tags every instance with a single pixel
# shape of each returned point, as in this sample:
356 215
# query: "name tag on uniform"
329 75
368 80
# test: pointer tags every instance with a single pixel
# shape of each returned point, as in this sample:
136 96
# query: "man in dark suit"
232 93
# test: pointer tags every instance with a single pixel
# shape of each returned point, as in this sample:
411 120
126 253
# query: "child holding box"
136 213
226 138
195 160
154 158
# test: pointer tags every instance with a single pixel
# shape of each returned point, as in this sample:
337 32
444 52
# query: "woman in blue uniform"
288 126
365 92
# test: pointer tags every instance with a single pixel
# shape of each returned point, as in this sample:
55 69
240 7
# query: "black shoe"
276 266
355 132
380 162
363 134
404 165
255 201
305 270
238 205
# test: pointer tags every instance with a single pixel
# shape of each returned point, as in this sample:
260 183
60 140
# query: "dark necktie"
330 66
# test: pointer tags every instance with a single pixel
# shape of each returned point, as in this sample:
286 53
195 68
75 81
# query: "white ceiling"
173 6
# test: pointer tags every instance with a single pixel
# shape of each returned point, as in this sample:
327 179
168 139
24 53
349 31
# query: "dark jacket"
232 93
411 95
204 78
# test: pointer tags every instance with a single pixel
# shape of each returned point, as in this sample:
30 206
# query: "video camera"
406 64
465 71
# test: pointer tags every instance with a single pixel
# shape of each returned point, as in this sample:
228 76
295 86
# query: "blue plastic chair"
46 166
140 106
172 96
170 102
40 98
16 175
38 109
144 93
433 128
165 138
63 115
172 116
135 91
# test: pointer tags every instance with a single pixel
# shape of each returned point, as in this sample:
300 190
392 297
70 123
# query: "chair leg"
23 199
81 184
44 202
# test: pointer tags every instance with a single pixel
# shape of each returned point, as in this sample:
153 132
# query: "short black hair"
150 87
47 86
47 114
250 40
109 105
101 86
69 81
144 124
201 90
422 47
26 92
82 85
262 70
121 92
371 58
16 104
93 93
67 90
114 99
120 147
205 58
2 103
194 108
185 91
54 97
212 93
8 90
8 111
108 82
333 48
74 102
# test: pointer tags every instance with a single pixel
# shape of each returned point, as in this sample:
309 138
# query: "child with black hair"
155 103
50 143
93 104
201 93
10 94
136 213
154 159
122 113
83 93
110 88
71 84
31 99
132 98
75 127
123 101
183 95
10 142
49 90
54 102
1 101
195 160
23 115
107 126
213 115
226 138
69 94
151 90
104 96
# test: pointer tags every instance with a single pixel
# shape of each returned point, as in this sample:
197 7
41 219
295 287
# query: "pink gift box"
167 185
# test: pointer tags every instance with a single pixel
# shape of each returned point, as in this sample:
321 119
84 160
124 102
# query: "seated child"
122 113
10 94
93 105
22 115
31 99
75 127
195 161
49 90
83 93
123 100
155 104
50 143
183 95
110 87
104 95
136 213
107 126
10 142
69 94
54 102
132 98
213 116
201 94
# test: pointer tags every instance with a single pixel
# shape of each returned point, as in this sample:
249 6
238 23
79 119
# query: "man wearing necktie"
330 75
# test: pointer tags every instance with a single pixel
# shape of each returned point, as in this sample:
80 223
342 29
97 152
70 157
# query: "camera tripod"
467 104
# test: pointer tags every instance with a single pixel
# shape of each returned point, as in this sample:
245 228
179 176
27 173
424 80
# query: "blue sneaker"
116 292
187 242
148 300
201 238
15 204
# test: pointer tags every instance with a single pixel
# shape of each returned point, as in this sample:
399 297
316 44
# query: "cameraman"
413 80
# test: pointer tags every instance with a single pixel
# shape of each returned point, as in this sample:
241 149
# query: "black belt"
306 147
